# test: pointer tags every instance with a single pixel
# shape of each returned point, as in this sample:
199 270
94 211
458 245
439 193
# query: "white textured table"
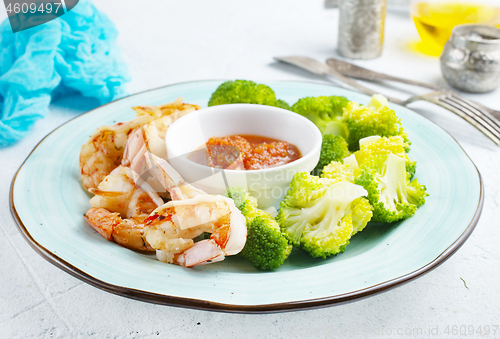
165 42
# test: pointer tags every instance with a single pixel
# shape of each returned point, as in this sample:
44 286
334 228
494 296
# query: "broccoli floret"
317 214
245 92
338 171
324 111
333 148
362 211
391 193
242 200
266 248
282 104
364 121
384 146
385 171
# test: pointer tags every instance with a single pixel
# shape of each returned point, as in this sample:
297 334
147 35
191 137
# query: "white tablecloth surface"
165 42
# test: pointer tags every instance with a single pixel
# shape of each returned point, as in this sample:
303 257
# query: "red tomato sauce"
245 152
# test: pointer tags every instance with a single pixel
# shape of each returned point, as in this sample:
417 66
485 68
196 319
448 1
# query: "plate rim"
206 305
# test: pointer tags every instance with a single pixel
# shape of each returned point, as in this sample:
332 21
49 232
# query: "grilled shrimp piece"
172 227
151 138
125 232
170 179
119 193
165 109
103 151
119 209
154 132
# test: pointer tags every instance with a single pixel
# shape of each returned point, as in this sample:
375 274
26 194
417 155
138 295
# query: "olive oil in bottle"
435 20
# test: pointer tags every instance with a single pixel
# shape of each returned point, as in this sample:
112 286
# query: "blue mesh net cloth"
75 52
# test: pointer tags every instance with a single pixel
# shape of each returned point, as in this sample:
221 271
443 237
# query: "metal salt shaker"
361 28
471 58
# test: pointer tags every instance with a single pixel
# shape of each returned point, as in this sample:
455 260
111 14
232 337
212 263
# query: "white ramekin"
269 185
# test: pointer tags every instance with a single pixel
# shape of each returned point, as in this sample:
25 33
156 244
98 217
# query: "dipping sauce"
245 152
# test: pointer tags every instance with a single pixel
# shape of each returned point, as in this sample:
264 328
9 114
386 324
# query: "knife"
480 117
320 68
358 72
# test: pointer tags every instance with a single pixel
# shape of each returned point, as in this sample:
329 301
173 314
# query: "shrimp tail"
201 253
133 155
102 221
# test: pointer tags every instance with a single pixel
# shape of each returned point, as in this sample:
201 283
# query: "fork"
468 111
358 72
471 112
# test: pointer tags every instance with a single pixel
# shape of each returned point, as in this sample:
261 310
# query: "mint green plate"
48 203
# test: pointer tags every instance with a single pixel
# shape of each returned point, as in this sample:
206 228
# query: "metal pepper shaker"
361 28
471 58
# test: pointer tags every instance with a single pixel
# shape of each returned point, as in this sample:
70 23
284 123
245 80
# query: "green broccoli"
362 213
385 171
266 248
339 171
282 104
364 121
321 215
242 200
245 92
333 148
324 111
378 146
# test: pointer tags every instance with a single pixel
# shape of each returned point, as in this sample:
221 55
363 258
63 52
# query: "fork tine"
491 131
476 113
475 108
477 119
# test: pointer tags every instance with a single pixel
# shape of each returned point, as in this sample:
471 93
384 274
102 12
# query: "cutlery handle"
410 82
358 72
355 71
333 73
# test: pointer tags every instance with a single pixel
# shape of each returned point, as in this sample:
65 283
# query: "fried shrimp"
125 232
119 193
171 228
154 132
104 149
123 166
168 177
149 138
123 213
166 109
119 209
